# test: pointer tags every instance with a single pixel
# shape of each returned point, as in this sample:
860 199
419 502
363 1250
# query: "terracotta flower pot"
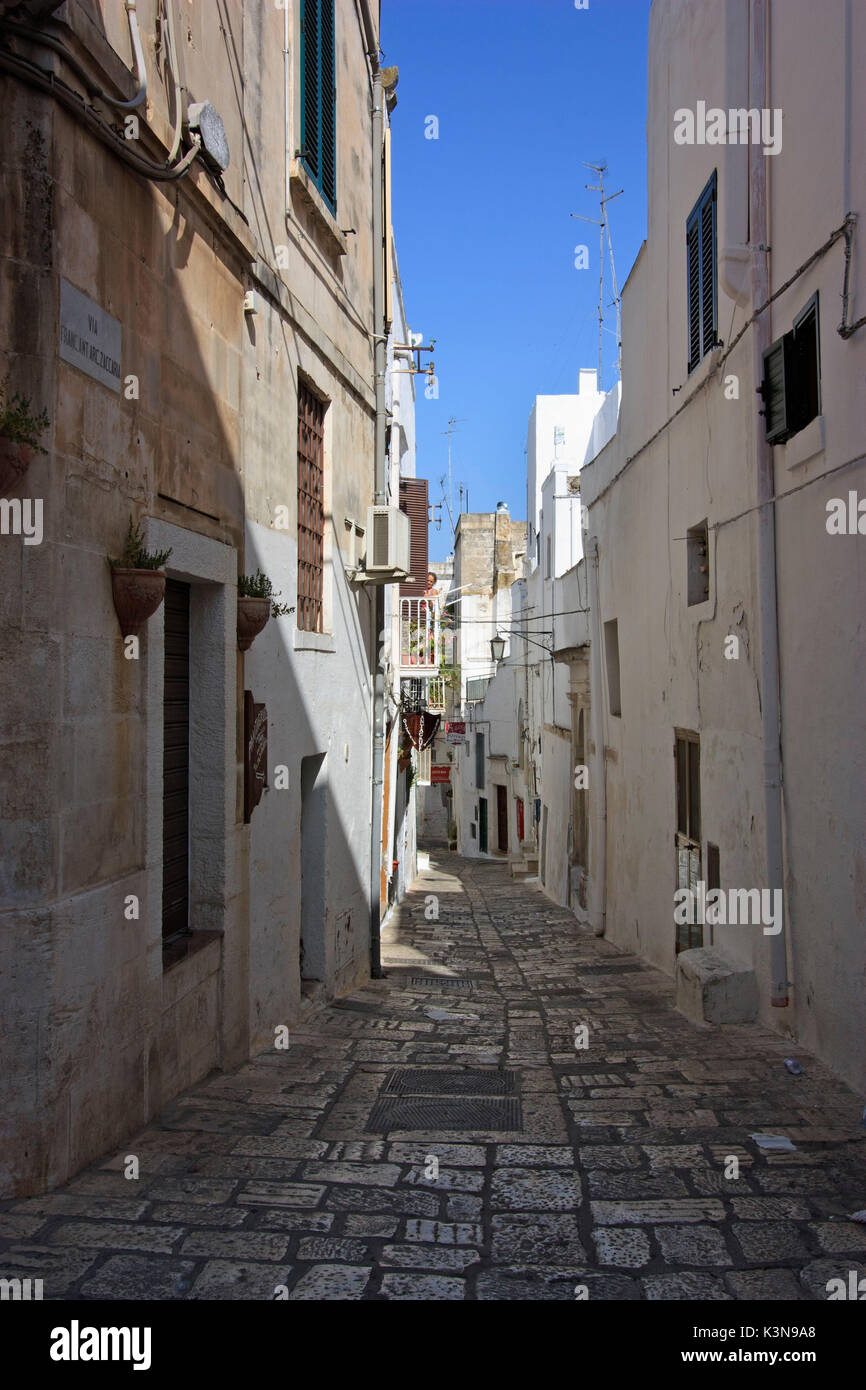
137 595
253 613
15 459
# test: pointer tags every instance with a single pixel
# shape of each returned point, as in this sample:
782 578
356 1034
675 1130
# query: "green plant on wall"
18 422
135 555
258 585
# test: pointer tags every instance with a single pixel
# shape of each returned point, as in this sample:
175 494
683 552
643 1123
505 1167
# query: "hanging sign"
440 772
455 732
421 728
255 753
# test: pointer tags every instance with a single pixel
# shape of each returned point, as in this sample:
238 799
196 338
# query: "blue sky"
524 91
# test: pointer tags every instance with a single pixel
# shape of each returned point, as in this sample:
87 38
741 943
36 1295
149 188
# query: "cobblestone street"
439 1135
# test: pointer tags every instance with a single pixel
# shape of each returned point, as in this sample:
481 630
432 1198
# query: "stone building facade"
233 418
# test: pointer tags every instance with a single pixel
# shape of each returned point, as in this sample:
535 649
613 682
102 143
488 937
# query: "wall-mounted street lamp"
497 648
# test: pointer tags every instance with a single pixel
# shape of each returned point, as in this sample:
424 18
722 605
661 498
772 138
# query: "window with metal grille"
319 97
311 511
701 275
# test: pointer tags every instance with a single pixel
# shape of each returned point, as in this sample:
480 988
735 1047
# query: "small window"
698 564
791 388
548 556
701 295
611 652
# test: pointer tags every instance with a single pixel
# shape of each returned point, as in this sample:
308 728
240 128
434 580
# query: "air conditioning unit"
387 543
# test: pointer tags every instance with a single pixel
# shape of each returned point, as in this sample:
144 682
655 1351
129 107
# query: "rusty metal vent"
429 1081
440 982
449 1113
426 1098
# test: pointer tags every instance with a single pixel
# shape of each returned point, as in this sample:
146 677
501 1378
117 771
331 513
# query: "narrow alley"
517 1111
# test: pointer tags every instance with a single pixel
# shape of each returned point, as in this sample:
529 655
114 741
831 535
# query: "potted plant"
256 603
137 581
20 428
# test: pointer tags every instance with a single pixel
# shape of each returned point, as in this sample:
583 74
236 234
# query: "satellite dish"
204 118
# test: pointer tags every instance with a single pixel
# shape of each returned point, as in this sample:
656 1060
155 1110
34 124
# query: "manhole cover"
440 982
446 1113
428 1081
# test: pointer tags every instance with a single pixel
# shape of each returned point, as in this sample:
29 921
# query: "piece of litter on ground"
793 1066
774 1141
858 1216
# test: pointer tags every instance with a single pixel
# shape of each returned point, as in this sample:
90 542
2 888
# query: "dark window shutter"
708 273
701 292
778 388
693 242
310 148
413 501
328 104
479 760
319 96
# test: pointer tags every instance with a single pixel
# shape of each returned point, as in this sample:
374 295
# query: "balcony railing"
420 636
436 694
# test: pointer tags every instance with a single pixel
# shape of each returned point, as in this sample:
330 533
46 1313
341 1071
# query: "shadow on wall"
98 1036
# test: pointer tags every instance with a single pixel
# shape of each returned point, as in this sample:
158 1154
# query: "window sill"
302 187
804 445
313 641
707 364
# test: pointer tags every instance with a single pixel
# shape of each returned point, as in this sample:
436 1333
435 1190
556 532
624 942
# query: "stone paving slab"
633 1174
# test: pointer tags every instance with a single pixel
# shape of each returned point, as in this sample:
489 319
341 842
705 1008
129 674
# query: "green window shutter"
318 96
701 277
328 104
693 259
310 152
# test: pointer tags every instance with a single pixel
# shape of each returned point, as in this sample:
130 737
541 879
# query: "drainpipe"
768 598
379 232
596 709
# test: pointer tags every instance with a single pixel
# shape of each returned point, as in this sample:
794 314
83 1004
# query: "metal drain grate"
427 1098
440 982
445 1114
429 1081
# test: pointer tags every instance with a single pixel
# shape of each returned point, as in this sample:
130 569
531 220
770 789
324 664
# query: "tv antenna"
604 230
452 428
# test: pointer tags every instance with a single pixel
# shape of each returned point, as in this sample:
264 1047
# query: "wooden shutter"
693 250
708 272
413 501
175 765
778 389
310 150
701 292
327 103
318 96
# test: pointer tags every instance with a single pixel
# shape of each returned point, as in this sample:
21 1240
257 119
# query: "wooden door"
175 763
502 818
